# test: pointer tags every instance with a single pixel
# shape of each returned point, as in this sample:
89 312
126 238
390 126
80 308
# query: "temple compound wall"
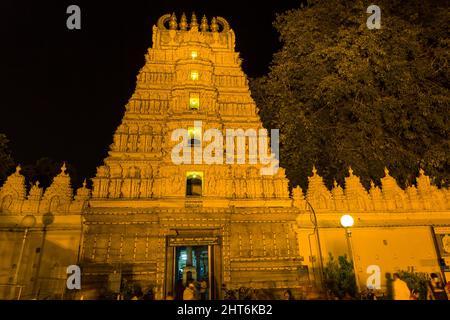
394 229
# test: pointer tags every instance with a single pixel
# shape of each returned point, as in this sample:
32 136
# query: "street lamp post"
27 222
319 249
347 222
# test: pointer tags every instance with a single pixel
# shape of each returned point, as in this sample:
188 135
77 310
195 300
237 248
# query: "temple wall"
390 248
45 258
395 229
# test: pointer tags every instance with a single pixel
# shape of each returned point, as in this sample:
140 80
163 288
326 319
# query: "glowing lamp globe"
28 221
347 221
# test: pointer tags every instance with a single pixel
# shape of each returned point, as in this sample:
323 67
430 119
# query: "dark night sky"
63 91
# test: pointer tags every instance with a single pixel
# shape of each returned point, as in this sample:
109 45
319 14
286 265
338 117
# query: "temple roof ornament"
350 171
423 182
36 192
375 192
183 23
173 22
14 185
169 22
214 25
314 170
83 193
337 191
168 33
389 185
194 23
297 194
60 186
353 185
317 189
204 27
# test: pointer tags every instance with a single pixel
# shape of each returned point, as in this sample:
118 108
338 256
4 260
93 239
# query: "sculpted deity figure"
103 172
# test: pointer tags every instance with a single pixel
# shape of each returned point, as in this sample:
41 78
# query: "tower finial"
204 27
350 171
63 168
194 23
173 22
386 171
214 25
183 22
314 170
18 168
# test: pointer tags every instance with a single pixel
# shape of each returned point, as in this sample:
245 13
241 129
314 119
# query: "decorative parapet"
168 32
12 192
14 186
83 193
57 199
390 197
60 187
317 193
36 192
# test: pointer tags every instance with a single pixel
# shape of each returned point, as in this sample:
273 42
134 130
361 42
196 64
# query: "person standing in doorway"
189 292
203 289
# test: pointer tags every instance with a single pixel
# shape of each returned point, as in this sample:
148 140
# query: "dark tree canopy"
45 169
343 95
6 159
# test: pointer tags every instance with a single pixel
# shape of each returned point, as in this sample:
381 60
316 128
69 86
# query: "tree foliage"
340 277
343 95
45 169
6 160
417 281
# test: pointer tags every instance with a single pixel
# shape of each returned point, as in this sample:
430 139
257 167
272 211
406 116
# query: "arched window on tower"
194 183
194 101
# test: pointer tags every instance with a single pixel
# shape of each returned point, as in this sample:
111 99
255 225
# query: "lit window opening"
194 101
194 183
194 75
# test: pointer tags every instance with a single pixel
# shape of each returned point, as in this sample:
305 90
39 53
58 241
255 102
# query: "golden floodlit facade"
151 223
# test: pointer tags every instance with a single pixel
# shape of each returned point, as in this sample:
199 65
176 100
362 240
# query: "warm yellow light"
347 221
194 175
195 132
194 100
194 75
194 54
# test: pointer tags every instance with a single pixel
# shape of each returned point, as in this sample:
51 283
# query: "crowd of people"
199 290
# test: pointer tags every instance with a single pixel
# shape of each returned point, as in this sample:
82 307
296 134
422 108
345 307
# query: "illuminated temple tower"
159 223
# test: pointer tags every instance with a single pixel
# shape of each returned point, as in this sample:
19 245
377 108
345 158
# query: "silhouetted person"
400 289
436 290
189 293
287 295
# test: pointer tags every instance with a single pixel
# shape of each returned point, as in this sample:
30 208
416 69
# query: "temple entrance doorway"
195 260
192 265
